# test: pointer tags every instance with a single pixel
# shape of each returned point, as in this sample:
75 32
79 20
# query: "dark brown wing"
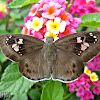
27 51
17 46
34 67
68 66
85 45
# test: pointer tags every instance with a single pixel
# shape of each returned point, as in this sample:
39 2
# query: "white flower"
36 24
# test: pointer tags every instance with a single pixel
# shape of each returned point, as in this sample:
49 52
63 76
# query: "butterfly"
62 60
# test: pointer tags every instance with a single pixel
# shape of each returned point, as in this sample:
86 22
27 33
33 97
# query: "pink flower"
87 87
80 81
98 29
97 83
96 90
34 10
51 10
82 7
83 87
80 91
38 35
3 10
94 65
72 87
26 31
68 30
28 18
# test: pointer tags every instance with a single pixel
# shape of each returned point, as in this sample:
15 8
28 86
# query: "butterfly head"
49 39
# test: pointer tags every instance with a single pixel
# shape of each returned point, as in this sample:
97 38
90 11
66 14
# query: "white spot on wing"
79 40
83 47
20 41
94 37
91 34
16 48
86 44
14 45
10 36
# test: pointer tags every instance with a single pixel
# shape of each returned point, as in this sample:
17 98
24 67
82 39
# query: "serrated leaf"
2 57
52 91
91 20
20 97
20 3
12 81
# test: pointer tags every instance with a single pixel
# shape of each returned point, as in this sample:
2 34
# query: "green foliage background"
12 81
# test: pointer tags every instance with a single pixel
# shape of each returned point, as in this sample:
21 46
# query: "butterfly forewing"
85 45
16 46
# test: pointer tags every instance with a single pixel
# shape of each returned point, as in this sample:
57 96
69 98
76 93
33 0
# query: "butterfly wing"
27 51
85 45
16 46
67 67
34 67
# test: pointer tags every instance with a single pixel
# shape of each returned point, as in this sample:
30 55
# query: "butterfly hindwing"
34 67
16 46
68 67
85 45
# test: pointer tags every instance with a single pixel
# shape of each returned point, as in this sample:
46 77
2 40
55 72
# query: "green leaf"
12 81
34 94
91 20
1 1
20 97
3 32
2 57
52 91
20 3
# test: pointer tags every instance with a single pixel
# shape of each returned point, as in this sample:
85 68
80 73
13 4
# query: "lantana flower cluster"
82 7
86 85
3 10
49 18
85 88
94 65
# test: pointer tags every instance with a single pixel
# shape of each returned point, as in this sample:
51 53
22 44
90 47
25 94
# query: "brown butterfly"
61 60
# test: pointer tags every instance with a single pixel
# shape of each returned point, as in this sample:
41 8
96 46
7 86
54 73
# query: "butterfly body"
61 60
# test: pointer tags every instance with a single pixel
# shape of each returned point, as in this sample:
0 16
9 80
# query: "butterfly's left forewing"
16 46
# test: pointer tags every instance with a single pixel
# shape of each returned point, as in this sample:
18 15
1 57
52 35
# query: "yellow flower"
49 34
56 26
94 77
36 24
86 71
3 8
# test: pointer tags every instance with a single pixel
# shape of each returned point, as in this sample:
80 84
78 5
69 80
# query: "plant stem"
68 96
